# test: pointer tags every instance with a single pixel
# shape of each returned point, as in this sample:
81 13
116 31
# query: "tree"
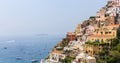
118 33
114 42
66 60
115 55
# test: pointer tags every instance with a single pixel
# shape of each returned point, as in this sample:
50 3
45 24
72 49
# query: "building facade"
103 34
56 56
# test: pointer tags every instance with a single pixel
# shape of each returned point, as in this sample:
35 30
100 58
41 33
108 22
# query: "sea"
24 49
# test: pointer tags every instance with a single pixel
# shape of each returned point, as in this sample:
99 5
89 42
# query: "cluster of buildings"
84 58
100 28
103 26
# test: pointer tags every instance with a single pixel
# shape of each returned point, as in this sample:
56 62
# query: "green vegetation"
96 43
114 42
110 52
118 33
64 42
92 18
68 59
110 55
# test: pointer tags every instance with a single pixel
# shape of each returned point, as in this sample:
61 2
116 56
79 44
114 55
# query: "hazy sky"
29 17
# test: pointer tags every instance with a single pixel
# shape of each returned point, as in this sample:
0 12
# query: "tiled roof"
115 25
57 51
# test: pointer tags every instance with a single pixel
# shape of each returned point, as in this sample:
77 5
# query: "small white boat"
34 60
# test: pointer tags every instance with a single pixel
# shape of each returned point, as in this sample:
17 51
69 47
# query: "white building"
84 58
90 59
56 56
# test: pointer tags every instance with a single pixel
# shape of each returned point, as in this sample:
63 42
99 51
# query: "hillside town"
96 40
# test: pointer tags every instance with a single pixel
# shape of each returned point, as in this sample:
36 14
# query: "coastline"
89 41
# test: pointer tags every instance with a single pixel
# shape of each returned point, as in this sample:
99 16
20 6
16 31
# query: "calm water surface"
27 48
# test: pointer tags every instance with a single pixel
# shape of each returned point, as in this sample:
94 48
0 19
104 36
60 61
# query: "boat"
34 60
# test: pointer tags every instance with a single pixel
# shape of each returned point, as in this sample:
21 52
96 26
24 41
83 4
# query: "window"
106 32
101 32
99 48
101 40
109 32
113 33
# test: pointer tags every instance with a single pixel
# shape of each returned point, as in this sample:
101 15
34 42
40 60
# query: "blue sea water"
27 48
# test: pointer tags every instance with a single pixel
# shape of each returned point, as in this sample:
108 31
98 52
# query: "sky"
31 17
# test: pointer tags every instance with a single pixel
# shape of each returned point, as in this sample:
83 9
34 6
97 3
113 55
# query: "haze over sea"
27 48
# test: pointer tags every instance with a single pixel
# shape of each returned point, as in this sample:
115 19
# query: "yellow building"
91 49
78 32
103 34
